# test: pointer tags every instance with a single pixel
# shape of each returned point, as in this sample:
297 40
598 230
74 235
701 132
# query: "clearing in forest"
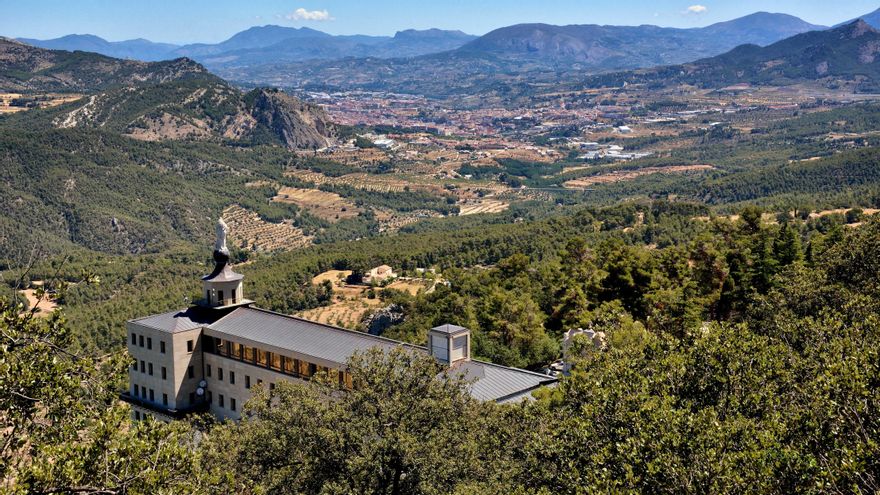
627 175
329 206
352 302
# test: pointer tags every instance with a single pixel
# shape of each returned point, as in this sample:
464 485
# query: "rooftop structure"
208 357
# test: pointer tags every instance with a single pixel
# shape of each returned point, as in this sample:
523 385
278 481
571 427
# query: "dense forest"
738 360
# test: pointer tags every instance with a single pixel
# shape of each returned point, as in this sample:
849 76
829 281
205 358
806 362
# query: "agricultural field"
249 231
329 206
482 206
16 102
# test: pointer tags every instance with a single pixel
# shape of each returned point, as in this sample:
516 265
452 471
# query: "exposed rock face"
294 123
383 319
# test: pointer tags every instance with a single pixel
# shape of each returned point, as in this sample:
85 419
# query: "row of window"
270 360
147 394
147 368
221 401
138 340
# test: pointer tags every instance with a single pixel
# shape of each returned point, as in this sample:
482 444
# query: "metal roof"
181 320
296 334
490 381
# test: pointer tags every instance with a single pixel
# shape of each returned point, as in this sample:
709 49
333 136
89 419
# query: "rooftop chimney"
450 344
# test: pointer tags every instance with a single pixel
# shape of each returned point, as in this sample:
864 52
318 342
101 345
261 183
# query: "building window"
143 392
152 396
134 338
164 399
150 369
232 377
304 369
162 346
140 340
134 366
248 354
149 343
189 346
236 350
220 374
137 391
143 366
210 397
232 403
261 357
259 382
313 368
272 386
208 371
164 373
220 297
220 400
190 372
247 381
276 361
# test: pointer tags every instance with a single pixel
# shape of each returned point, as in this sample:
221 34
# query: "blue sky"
187 21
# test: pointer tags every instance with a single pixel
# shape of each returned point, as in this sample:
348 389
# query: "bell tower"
223 287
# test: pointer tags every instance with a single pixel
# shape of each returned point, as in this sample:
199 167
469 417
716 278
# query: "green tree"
402 429
64 428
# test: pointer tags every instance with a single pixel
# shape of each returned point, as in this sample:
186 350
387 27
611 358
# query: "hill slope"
157 100
850 53
24 68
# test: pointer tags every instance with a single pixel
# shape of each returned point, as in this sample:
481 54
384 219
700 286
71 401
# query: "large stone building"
210 356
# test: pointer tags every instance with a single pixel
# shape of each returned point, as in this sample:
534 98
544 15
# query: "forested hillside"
777 395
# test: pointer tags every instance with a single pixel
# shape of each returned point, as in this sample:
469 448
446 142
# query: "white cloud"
302 14
697 9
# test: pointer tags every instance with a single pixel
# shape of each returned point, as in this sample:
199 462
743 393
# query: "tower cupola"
450 344
223 287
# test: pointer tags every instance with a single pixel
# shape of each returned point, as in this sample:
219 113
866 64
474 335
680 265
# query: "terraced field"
329 206
482 206
247 230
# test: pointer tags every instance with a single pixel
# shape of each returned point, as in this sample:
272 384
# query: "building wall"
150 353
238 390
185 385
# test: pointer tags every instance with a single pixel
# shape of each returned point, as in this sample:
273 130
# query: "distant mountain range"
616 47
845 54
267 44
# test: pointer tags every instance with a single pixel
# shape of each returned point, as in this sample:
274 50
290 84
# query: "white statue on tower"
222 229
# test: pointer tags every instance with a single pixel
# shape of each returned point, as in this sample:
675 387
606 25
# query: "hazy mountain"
273 44
27 68
255 37
139 49
509 61
616 47
873 19
846 54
